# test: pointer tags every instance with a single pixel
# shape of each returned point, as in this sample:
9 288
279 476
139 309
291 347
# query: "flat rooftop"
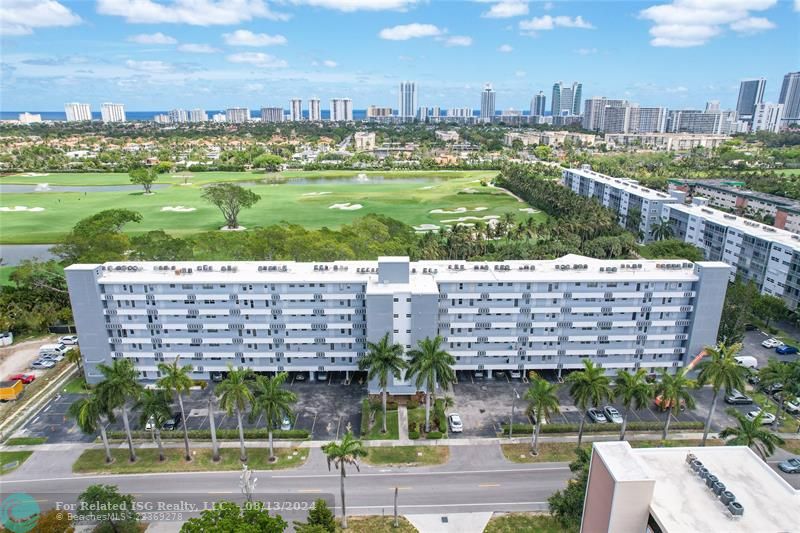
742 224
629 185
567 268
786 203
682 502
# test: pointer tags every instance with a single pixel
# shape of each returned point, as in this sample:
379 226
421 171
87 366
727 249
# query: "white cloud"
586 51
258 59
330 63
505 48
194 12
248 38
797 5
152 38
685 23
21 17
458 40
520 73
155 67
507 9
405 32
358 5
254 87
547 23
194 48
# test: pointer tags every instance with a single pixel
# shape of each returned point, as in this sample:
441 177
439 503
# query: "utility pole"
511 418
396 521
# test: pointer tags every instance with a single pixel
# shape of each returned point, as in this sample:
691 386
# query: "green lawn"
75 385
94 460
524 523
564 452
25 441
8 458
409 200
376 524
408 455
392 427
788 423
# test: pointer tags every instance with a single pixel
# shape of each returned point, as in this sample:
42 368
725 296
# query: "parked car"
750 327
478 374
216 377
454 423
612 414
53 349
596 415
68 340
286 424
322 376
738 398
766 418
772 389
771 343
43 364
300 376
516 374
24 378
747 361
792 406
6 338
753 379
172 423
664 405
785 349
790 466
52 357
150 424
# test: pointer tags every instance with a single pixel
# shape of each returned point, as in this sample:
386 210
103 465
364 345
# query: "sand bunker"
178 209
20 209
317 193
426 227
228 228
35 174
457 210
426 188
346 206
470 190
529 210
464 219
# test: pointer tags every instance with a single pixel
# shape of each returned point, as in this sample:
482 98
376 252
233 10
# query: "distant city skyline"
161 54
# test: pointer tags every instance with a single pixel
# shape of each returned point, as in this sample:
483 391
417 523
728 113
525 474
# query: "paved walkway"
402 422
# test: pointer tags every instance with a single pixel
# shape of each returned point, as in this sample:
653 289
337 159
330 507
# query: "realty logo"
19 512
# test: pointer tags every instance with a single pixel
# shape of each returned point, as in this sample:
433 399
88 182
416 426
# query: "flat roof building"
660 490
309 317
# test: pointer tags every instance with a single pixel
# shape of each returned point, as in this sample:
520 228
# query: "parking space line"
313 423
487 485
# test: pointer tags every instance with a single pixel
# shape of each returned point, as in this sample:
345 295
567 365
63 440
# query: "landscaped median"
516 522
93 461
372 421
416 420
25 441
564 452
222 434
407 455
11 460
526 429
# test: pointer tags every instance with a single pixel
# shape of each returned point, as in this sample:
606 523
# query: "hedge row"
435 435
597 428
222 434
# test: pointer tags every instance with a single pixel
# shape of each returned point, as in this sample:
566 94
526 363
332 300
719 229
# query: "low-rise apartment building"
312 317
667 142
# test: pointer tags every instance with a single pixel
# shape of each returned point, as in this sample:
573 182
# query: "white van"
747 361
58 349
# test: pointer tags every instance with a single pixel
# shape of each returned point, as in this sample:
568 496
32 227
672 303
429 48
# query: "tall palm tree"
432 366
720 369
751 433
662 230
175 379
674 392
634 391
542 402
777 373
273 401
212 426
382 360
91 414
588 387
153 406
74 357
119 387
341 454
234 396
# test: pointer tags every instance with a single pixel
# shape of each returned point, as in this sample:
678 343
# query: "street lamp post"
511 418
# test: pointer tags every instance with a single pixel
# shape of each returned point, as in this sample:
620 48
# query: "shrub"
412 404
520 428
434 435
412 426
365 408
413 434
596 428
222 434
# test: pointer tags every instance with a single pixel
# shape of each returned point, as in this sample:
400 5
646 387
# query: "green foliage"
144 177
53 521
740 300
226 517
770 308
230 199
120 516
567 505
98 238
37 299
671 249
413 434
269 162
320 520
751 433
434 435
560 427
222 434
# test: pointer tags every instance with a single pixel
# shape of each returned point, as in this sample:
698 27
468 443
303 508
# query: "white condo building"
767 117
314 317
314 110
407 100
237 115
112 112
341 110
487 102
29 118
271 114
296 110
77 112
178 116
198 115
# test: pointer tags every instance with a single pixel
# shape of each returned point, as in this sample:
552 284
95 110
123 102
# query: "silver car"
454 421
612 414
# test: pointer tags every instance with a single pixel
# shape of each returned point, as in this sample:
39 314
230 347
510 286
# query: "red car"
24 378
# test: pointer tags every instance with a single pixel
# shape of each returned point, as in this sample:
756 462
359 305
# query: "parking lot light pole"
511 418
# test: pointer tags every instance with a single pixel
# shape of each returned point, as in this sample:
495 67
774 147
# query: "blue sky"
161 54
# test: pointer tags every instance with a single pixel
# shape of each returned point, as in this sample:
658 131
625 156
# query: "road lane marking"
302 491
489 485
220 492
429 505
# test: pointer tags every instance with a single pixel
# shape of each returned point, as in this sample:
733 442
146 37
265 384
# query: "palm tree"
341 454
119 387
234 396
634 391
662 230
777 373
383 359
542 402
74 357
589 386
752 434
176 379
153 406
432 366
674 392
721 370
91 414
273 401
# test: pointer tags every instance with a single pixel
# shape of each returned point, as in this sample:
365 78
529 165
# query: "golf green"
310 199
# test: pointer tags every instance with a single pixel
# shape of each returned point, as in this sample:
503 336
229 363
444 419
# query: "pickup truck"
10 390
